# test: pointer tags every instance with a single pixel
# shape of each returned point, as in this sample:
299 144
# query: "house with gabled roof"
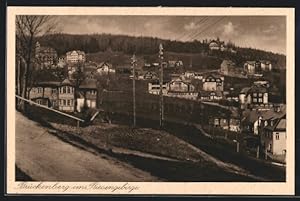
88 91
213 82
273 134
66 96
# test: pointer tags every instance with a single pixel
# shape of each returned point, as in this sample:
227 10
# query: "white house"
154 88
75 56
213 83
105 68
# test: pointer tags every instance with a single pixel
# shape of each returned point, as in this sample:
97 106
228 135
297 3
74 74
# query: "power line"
202 20
206 28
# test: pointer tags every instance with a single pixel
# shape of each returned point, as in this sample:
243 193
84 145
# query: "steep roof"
88 84
66 82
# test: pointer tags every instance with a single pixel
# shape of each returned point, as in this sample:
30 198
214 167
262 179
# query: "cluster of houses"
64 96
47 57
183 86
261 117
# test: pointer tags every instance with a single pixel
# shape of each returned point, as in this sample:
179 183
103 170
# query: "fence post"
237 147
78 124
257 152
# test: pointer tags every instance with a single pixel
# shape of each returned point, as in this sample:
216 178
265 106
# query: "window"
68 101
40 90
53 91
260 94
68 90
260 100
64 103
254 94
254 100
64 89
277 136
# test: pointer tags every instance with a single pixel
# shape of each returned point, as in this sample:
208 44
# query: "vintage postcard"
150 100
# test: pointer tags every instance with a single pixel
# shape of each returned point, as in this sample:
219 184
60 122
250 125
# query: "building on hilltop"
75 56
45 57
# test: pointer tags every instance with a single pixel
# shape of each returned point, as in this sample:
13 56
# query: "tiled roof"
88 84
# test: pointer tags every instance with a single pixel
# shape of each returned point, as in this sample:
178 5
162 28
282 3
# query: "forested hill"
147 45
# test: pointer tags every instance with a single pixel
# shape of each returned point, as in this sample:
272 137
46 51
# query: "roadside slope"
44 157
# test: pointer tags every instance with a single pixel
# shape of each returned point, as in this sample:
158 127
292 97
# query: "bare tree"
28 27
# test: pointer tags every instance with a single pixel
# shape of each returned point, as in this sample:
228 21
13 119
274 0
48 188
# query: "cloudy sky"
262 32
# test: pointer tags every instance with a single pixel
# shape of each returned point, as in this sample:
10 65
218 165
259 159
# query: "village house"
273 132
213 83
181 89
105 68
61 62
150 75
257 67
154 88
189 75
174 63
227 67
251 121
266 65
210 95
66 96
257 95
45 57
231 95
252 67
75 56
87 94
231 124
217 45
45 93
124 69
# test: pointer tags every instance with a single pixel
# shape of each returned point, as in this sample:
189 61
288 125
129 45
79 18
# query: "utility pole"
161 108
133 62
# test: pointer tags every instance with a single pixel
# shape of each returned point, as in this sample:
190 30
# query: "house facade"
105 68
154 88
45 93
273 136
254 96
226 67
66 96
181 89
266 65
150 75
45 57
88 92
210 95
75 56
213 83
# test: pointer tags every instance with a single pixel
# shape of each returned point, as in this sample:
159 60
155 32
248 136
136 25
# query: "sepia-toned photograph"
162 98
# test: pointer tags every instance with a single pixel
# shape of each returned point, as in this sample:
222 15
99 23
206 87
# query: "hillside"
192 61
149 46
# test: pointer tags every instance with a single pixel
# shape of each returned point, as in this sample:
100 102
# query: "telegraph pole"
161 108
133 62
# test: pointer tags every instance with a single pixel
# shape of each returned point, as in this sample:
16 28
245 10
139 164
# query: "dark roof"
48 84
278 125
88 84
66 82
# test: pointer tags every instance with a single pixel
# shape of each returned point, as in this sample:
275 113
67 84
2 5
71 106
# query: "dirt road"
44 157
